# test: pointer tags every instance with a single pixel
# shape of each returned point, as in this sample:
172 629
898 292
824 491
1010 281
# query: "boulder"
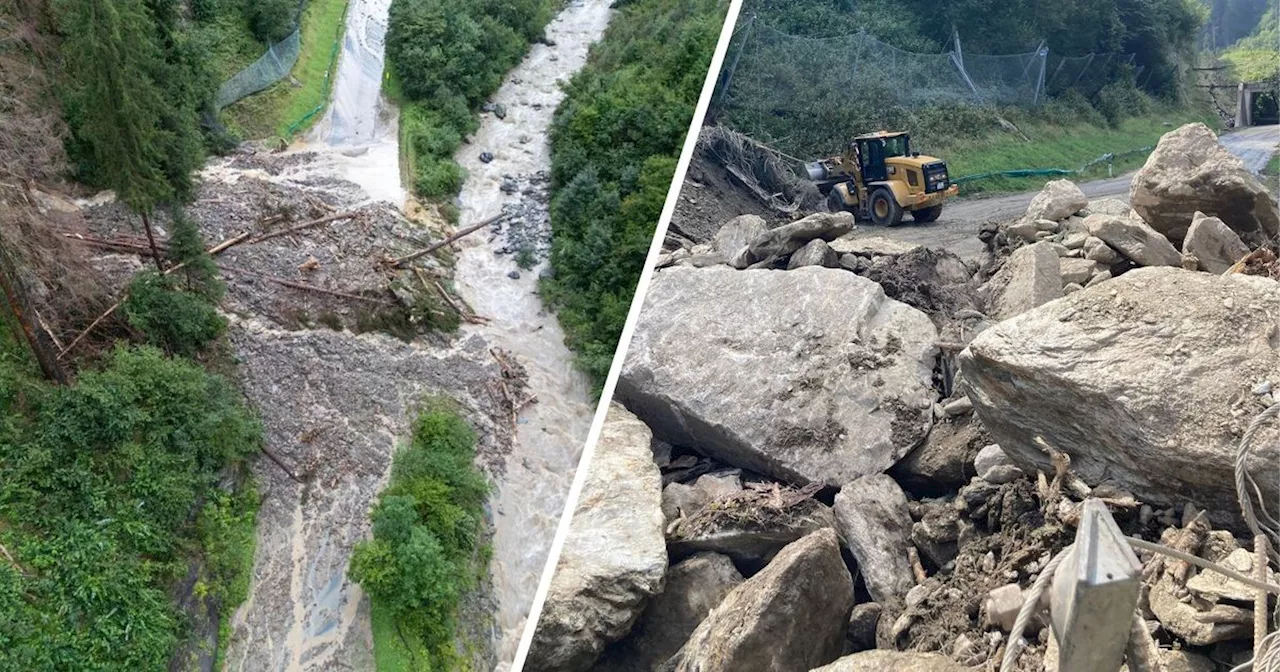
1024 229
873 519
693 588
1190 171
1030 277
681 500
737 233
1134 239
1214 245
944 462
937 534
1057 201
1078 271
614 557
814 253
1213 586
862 625
993 466
749 533
1096 250
1109 206
788 238
790 617
1144 380
805 375
897 661
871 246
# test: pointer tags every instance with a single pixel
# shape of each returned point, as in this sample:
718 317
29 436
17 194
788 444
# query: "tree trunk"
155 252
25 315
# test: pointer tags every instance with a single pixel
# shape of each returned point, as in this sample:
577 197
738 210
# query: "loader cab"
872 150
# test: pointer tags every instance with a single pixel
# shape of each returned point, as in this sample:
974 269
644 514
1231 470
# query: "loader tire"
885 210
926 215
834 202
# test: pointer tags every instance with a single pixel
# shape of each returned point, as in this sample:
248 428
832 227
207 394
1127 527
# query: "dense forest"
615 143
447 57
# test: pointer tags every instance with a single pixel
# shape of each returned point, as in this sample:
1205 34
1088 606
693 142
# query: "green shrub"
98 494
438 178
183 323
425 529
1121 99
271 20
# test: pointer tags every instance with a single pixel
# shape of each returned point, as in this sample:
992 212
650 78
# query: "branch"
303 286
467 231
305 225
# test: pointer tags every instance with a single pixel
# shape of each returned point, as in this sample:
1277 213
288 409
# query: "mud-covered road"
957 229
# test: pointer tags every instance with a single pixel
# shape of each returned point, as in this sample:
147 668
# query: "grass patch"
270 113
423 555
1053 145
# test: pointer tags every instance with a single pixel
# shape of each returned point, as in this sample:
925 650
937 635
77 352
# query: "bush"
438 178
98 490
1121 99
425 529
182 323
271 20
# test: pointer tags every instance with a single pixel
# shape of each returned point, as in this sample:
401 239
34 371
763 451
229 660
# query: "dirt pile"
944 549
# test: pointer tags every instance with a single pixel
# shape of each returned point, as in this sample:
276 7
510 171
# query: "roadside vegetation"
426 551
446 57
282 109
1256 57
615 143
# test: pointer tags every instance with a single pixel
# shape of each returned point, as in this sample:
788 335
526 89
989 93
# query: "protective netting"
780 72
270 68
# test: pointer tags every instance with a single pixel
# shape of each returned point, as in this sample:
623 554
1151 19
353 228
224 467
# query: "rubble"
1213 244
1134 239
814 253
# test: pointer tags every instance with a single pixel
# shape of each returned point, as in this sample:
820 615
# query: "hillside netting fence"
775 71
271 67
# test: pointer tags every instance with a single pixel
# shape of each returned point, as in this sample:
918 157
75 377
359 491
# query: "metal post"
728 74
1094 594
1044 61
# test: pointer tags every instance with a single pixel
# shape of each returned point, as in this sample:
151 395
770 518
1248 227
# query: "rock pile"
868 451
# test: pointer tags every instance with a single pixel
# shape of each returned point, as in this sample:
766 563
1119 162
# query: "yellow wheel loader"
879 178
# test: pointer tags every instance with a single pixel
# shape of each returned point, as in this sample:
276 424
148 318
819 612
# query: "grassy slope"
1068 146
270 112
391 652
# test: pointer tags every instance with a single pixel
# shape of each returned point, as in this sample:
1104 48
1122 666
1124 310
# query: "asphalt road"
957 229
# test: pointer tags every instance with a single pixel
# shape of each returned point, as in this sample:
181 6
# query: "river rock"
1058 200
1189 171
893 661
1145 380
790 617
814 253
805 375
874 521
788 238
752 541
693 588
736 233
615 555
1134 239
1214 245
1030 277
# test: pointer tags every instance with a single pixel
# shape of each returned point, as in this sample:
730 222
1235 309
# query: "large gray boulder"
693 588
814 253
614 557
1057 201
1189 171
893 661
790 617
736 233
1214 245
1031 276
1134 239
874 521
1146 380
788 238
804 375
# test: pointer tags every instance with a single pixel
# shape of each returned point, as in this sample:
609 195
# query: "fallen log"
432 248
305 225
109 312
304 286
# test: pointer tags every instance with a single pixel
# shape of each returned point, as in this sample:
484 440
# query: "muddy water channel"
549 433
335 404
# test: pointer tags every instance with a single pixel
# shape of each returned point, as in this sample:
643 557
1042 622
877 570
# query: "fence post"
728 74
957 59
1084 69
1044 60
